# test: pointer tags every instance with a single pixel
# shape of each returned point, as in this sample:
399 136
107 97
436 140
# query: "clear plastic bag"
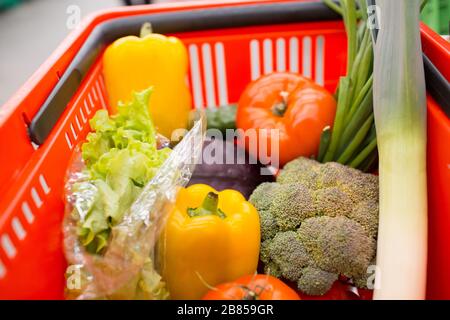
126 270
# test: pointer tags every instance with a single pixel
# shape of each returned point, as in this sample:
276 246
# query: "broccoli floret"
261 197
361 187
269 226
333 174
332 202
301 170
288 253
316 282
318 221
366 214
287 205
270 267
367 278
264 252
291 204
338 245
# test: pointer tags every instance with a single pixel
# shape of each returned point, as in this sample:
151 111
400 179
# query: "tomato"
253 287
340 291
295 105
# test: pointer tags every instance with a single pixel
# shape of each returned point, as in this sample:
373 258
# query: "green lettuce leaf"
121 157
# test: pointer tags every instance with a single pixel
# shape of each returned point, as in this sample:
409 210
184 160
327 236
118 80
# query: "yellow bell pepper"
210 238
136 63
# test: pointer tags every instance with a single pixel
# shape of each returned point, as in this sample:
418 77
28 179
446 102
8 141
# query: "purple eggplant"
225 165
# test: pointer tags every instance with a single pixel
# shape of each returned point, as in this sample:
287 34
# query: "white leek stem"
400 118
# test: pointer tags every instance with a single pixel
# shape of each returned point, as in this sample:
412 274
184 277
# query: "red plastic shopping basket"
229 44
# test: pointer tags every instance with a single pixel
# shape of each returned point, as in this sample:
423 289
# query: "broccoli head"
318 221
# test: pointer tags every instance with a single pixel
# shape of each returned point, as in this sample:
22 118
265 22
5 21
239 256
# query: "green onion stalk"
352 140
400 119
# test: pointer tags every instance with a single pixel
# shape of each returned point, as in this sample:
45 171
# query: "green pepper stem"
210 206
280 108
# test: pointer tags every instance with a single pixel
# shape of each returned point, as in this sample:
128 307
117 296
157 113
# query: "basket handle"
437 85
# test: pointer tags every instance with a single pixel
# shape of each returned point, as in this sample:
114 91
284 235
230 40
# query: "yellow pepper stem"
208 207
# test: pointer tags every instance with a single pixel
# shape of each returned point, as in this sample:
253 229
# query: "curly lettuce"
121 157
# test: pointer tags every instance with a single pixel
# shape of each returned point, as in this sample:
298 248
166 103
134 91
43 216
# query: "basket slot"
306 64
283 54
210 78
2 270
208 75
16 229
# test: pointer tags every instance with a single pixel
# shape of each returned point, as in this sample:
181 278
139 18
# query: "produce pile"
296 211
318 221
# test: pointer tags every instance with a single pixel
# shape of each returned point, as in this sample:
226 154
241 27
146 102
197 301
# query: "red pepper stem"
210 206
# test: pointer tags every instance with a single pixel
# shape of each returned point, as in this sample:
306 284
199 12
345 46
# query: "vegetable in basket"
117 202
253 287
135 63
243 174
401 122
352 138
121 157
296 106
318 221
210 238
222 118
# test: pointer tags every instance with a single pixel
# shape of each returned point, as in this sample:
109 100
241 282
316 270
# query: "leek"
400 120
346 141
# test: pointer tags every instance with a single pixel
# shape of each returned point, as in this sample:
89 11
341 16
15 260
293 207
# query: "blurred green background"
436 14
